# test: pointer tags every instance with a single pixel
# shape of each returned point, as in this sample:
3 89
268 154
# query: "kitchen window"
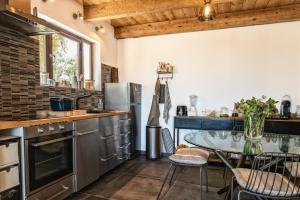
63 56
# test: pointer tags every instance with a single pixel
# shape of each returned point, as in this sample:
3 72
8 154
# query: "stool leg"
225 176
164 182
201 173
206 175
174 171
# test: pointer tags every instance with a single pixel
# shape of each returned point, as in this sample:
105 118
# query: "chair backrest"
271 177
168 141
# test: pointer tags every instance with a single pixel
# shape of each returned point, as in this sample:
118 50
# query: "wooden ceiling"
137 18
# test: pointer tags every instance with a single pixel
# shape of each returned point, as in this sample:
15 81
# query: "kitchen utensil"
89 85
61 104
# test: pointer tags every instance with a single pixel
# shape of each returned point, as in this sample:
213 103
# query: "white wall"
105 45
220 66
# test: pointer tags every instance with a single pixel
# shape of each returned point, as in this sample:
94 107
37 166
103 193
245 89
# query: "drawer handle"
87 132
125 146
122 158
7 143
51 141
123 120
65 188
8 169
107 159
125 134
106 138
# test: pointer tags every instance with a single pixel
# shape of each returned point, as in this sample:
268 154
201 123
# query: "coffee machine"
285 107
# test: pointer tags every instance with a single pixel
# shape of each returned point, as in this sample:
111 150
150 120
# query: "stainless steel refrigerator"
127 96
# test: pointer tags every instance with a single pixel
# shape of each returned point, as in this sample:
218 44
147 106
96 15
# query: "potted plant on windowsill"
255 111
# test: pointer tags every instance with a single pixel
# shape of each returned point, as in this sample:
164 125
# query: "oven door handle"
51 141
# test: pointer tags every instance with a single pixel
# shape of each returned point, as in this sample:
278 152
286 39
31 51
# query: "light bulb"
100 28
208 12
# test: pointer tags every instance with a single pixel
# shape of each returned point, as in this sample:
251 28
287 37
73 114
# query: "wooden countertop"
18 124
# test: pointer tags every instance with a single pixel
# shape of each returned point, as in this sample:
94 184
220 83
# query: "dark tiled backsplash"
44 93
20 90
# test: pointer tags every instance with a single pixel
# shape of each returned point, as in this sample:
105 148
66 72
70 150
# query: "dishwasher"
86 153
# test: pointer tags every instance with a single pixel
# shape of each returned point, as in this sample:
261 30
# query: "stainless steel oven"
48 156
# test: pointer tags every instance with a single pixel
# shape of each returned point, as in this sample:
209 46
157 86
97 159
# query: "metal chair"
267 179
231 156
293 168
189 157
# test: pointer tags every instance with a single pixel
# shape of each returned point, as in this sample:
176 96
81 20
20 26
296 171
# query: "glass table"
234 142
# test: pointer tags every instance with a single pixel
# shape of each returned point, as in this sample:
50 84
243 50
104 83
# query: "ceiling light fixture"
78 15
100 29
208 12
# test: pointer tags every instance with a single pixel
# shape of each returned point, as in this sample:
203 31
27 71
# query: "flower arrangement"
255 111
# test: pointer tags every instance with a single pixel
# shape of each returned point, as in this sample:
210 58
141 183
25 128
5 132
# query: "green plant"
255 111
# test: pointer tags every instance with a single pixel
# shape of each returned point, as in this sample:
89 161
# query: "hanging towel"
168 103
153 119
157 87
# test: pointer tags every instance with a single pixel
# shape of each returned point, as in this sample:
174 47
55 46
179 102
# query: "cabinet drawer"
187 123
107 150
124 125
86 125
57 191
217 124
108 131
108 121
9 178
109 164
11 194
124 138
124 153
9 153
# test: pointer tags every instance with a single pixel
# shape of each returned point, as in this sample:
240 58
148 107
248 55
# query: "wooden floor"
141 179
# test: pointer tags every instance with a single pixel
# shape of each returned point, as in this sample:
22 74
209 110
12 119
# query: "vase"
253 126
253 147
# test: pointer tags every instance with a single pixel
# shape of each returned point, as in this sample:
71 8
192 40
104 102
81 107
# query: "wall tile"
20 90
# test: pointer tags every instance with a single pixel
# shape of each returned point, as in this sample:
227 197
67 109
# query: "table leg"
178 137
241 161
174 142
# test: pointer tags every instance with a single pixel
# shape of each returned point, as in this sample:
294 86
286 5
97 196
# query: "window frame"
49 52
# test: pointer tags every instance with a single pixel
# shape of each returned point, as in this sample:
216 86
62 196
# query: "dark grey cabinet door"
87 152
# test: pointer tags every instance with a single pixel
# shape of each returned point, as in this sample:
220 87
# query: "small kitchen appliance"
181 110
285 108
193 107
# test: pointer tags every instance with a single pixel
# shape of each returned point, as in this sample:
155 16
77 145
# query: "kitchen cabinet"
9 168
276 126
114 142
86 152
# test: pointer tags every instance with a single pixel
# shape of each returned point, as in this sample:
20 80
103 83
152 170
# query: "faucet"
85 95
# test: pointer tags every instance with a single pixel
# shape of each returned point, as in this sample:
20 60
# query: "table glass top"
235 142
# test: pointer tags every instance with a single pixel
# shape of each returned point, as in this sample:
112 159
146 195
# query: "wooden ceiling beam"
227 20
127 8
